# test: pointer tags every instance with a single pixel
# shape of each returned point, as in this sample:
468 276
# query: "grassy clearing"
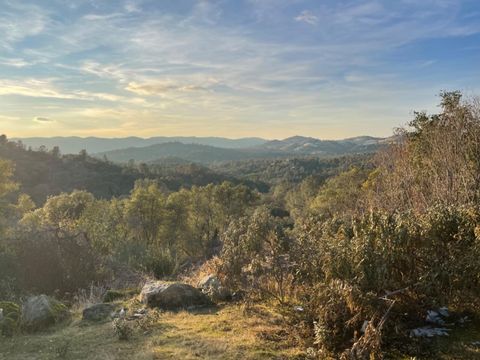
224 333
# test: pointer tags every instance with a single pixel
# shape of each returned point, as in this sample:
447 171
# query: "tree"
340 194
145 212
435 160
7 186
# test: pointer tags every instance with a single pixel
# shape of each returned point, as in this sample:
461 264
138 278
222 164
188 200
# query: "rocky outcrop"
211 286
98 312
39 312
171 296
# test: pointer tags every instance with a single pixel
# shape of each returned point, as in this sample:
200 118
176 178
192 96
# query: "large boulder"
211 286
39 312
170 296
98 312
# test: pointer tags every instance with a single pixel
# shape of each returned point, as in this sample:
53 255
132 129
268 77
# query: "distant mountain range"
74 144
206 149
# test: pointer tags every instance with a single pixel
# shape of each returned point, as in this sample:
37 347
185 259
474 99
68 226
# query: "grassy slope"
225 333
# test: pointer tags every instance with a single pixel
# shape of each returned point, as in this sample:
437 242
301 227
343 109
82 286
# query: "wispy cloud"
42 120
308 17
14 28
161 87
15 62
32 88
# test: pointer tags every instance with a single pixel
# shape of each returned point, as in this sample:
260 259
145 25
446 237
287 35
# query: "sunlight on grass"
225 333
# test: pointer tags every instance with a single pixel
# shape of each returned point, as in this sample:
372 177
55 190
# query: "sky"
270 68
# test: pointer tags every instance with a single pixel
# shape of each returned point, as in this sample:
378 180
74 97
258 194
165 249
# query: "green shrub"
10 317
112 295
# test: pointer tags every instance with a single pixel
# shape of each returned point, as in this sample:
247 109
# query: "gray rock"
211 286
429 332
39 312
98 312
170 296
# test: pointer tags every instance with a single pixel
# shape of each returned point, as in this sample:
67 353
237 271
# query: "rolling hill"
312 146
297 146
191 152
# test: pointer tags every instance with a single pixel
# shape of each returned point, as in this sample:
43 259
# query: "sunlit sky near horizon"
235 68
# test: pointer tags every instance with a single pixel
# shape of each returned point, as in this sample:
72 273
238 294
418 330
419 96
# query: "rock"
238 295
39 312
98 312
211 286
170 296
122 313
364 326
443 311
437 317
428 331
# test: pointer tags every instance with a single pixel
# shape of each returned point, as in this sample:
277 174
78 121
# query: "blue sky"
234 68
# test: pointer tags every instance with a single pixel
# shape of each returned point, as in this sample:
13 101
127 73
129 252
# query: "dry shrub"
122 329
199 271
433 258
94 294
435 160
339 310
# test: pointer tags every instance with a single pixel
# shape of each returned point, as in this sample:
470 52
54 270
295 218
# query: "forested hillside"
43 173
296 146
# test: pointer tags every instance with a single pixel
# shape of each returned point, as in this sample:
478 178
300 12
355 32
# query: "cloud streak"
308 17
42 120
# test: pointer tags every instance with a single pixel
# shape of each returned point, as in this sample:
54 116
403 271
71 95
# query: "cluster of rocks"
39 312
439 323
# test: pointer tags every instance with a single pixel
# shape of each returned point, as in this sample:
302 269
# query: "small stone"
443 311
364 326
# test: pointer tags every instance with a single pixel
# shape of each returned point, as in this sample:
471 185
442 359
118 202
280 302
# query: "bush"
122 329
255 255
112 295
434 258
9 317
